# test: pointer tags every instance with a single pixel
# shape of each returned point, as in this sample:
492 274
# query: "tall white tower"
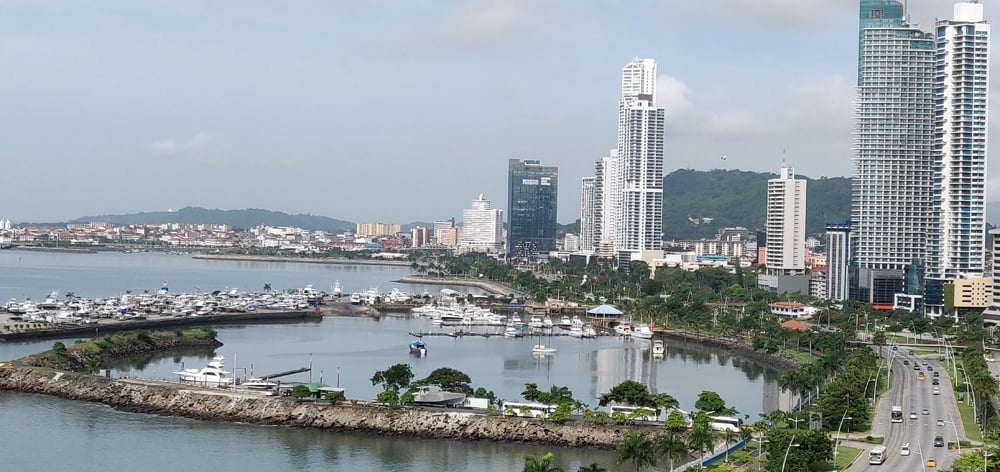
640 160
588 210
957 237
786 224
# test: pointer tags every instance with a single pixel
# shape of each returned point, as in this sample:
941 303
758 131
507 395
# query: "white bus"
897 414
528 410
644 413
877 455
725 423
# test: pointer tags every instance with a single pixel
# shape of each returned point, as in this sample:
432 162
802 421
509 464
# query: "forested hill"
241 219
696 204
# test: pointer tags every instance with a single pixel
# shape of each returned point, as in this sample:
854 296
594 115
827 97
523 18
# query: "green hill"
696 204
241 219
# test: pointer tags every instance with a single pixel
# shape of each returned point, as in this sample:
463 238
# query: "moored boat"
418 348
543 349
212 375
658 347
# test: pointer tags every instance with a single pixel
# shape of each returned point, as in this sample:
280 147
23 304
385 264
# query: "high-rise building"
377 229
786 224
532 197
957 237
607 194
419 236
891 189
482 227
588 213
992 313
640 161
838 256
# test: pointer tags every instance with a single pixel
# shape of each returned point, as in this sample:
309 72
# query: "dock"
286 373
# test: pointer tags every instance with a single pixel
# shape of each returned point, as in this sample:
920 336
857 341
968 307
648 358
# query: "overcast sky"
400 111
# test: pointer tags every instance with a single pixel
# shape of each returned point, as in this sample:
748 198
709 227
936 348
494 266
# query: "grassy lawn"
798 356
968 420
845 454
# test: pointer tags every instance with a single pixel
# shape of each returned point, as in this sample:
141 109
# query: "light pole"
875 390
986 455
836 447
791 443
954 426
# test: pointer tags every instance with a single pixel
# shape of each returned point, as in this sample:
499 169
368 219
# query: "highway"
915 396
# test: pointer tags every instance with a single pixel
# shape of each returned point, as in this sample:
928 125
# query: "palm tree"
638 449
267 287
729 436
671 446
539 464
701 439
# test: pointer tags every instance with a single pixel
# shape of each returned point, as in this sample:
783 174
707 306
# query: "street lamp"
791 444
958 440
836 448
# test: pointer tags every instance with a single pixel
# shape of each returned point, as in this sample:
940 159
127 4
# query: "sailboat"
540 348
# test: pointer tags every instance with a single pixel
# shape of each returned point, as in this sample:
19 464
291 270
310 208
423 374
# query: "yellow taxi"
920 376
931 462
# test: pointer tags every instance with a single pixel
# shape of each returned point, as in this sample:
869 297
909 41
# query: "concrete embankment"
733 346
489 286
305 260
171 399
155 322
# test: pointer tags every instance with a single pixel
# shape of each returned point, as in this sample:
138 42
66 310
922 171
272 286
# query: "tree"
628 392
665 401
675 421
671 446
710 402
701 438
531 392
540 464
448 379
878 339
394 378
300 392
638 449
593 467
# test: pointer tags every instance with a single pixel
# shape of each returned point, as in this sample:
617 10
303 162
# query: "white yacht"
338 291
356 298
589 332
658 348
212 375
624 328
543 349
642 332
511 332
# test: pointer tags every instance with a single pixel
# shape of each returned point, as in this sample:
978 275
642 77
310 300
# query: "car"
936 373
906 362
935 381
938 441
931 462
923 361
937 391
916 367
905 451
894 348
913 415
930 368
940 422
921 376
925 411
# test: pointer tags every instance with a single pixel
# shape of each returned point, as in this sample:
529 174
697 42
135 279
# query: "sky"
402 111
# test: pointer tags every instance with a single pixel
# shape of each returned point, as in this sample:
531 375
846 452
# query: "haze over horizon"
392 112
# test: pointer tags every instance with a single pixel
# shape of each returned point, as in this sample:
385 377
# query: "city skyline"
144 107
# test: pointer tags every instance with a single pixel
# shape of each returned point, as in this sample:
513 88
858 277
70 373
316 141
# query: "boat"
565 322
589 332
543 349
212 375
255 383
624 329
355 298
642 332
423 396
338 291
418 348
576 331
511 332
658 348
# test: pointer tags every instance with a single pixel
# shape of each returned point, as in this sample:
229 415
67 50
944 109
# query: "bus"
641 413
725 423
528 410
897 414
877 455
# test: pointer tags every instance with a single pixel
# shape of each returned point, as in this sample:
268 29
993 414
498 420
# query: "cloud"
474 23
673 94
200 146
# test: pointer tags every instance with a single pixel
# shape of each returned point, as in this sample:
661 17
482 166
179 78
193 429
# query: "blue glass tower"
532 197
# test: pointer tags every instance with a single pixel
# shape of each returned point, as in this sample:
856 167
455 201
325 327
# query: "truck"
897 414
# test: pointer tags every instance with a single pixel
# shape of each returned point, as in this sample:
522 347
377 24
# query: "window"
877 14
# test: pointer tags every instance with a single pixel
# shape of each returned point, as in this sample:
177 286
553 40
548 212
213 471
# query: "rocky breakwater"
171 399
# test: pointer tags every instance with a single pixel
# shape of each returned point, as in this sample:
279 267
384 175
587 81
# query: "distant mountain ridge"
696 204
240 219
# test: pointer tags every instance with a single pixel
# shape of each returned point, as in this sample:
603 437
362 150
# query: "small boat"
642 332
658 347
423 396
338 291
624 329
543 349
576 331
511 332
255 383
418 348
589 332
565 322
355 298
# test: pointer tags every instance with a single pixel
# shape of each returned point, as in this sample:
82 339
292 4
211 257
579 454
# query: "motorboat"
642 332
624 329
511 332
212 375
535 321
565 322
338 291
658 348
418 348
355 298
423 396
589 332
543 349
576 331
256 383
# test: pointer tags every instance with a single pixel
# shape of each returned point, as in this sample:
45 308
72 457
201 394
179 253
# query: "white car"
905 451
913 415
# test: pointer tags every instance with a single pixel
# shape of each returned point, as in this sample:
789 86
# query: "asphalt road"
915 396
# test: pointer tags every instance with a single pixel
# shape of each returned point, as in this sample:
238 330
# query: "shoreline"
488 286
182 400
304 260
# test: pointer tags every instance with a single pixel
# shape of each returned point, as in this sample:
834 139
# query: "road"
914 396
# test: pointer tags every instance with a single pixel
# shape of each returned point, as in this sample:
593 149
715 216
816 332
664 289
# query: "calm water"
341 350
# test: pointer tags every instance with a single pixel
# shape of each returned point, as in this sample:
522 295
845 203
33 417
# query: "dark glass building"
532 195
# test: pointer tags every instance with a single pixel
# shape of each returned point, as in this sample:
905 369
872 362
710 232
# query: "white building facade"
588 213
482 227
786 224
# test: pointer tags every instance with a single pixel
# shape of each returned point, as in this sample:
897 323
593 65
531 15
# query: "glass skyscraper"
532 197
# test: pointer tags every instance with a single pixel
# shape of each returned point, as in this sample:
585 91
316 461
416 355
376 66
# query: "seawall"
165 398
492 287
736 347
